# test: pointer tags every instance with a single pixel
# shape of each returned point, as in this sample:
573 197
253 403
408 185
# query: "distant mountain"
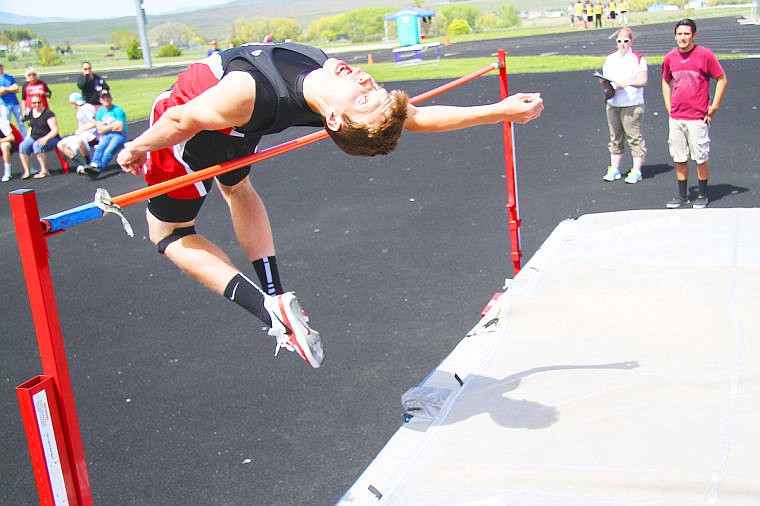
300 9
8 18
209 22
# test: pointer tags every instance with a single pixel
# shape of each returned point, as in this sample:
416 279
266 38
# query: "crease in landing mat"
621 366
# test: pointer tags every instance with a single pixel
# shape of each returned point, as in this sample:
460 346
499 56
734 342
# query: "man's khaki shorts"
689 139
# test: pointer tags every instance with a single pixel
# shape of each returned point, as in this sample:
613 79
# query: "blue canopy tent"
408 22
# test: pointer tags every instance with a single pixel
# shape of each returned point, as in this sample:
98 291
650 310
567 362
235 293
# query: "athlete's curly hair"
363 139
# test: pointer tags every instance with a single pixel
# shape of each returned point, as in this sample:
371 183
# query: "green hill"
217 22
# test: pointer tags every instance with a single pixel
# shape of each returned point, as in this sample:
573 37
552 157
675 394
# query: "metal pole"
34 260
142 23
509 162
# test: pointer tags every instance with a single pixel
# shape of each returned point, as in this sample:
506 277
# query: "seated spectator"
212 47
10 138
91 85
77 145
111 124
41 137
8 90
34 87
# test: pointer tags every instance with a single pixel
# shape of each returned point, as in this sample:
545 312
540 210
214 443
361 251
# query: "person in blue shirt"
8 89
212 48
111 124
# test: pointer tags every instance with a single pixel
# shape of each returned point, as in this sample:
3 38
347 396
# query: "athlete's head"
360 115
378 136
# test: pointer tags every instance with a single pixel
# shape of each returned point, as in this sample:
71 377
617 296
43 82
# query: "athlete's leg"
194 254
249 219
206 263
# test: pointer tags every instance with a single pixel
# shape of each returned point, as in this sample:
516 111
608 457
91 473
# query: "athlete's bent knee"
176 235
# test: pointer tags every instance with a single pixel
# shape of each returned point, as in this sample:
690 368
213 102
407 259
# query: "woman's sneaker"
612 174
291 329
633 177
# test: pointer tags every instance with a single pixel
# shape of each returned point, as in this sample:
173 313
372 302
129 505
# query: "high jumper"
219 109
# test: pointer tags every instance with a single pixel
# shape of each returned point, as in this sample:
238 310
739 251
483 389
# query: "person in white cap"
77 145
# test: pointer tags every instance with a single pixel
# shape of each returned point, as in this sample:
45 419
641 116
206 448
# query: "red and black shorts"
205 149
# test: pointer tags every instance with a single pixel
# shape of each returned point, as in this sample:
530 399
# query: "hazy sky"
94 9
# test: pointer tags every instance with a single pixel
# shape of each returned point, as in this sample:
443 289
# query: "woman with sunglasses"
41 137
627 70
34 87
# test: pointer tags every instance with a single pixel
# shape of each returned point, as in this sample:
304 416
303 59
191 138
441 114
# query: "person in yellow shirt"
613 11
598 10
579 14
623 13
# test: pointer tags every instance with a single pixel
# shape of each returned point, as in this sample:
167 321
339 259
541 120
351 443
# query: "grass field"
135 96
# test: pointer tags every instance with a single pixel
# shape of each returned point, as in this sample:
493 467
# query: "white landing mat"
621 367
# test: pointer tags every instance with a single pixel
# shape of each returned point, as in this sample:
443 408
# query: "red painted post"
34 259
509 161
45 436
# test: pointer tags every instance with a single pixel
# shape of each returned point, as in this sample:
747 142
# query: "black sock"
244 293
702 187
269 276
682 188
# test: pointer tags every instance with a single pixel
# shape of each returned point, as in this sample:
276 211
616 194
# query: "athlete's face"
351 91
684 38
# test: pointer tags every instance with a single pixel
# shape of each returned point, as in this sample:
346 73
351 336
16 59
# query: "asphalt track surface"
179 398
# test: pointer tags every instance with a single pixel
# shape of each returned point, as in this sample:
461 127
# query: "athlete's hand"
522 107
131 160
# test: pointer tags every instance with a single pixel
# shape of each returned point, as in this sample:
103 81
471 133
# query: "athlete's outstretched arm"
518 108
227 104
